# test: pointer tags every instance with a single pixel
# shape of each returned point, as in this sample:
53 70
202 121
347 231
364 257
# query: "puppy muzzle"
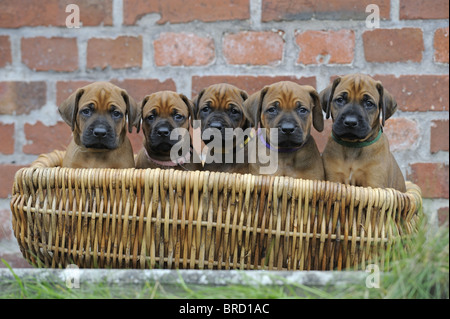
99 135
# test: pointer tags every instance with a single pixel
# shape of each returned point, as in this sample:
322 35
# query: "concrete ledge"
190 277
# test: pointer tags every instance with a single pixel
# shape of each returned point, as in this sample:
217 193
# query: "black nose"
287 128
163 131
216 125
350 121
99 131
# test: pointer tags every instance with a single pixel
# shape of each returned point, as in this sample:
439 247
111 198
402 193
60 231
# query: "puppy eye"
368 104
86 112
116 114
151 117
340 100
235 111
272 110
178 117
206 109
303 110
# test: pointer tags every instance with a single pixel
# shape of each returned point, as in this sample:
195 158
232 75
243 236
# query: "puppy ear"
69 108
326 96
387 104
190 106
196 102
252 107
317 109
244 95
248 121
133 112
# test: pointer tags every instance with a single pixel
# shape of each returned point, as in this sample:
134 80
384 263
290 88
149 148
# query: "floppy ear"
387 104
196 102
133 112
326 96
317 109
69 108
190 106
248 121
252 107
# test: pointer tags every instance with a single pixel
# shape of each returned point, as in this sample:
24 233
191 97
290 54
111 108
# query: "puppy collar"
177 162
278 149
356 144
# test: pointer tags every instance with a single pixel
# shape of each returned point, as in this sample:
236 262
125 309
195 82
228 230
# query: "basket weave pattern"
152 218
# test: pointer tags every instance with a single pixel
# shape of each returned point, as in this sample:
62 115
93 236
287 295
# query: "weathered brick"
181 11
250 84
422 9
432 178
402 133
119 53
329 47
22 97
32 13
441 51
439 136
252 47
7 138
7 172
45 139
50 54
418 92
393 45
278 10
5 51
183 49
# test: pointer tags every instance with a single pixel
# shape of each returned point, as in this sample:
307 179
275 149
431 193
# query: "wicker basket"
152 218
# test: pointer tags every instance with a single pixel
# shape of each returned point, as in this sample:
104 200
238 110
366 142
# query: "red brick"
181 11
45 139
439 136
7 140
5 51
418 92
119 53
441 52
183 49
252 47
50 54
32 13
7 172
422 9
402 133
330 47
250 84
432 178
443 216
5 225
278 10
393 45
22 97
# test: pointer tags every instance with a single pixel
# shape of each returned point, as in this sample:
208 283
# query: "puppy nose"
216 125
99 131
350 121
287 128
163 131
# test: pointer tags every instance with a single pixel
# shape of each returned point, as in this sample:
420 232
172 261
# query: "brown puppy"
358 153
290 110
220 108
98 114
162 112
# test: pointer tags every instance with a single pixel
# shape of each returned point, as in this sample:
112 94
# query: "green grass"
420 270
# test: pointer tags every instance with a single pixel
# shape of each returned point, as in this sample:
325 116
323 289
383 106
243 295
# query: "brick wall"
150 45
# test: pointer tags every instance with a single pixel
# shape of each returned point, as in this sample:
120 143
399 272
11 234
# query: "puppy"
220 108
162 112
357 153
290 110
98 115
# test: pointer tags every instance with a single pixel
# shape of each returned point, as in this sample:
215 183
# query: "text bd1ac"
240 308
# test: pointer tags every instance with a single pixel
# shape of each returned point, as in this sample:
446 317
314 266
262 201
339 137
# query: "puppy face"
355 103
289 108
97 114
162 112
220 106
